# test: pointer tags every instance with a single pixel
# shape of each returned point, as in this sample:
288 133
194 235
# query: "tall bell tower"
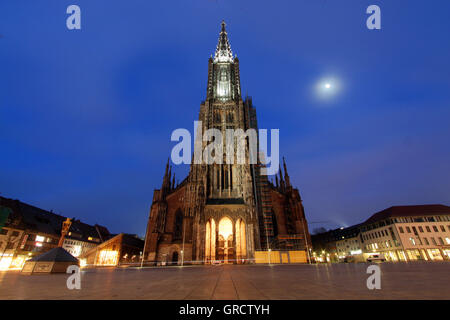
223 196
223 211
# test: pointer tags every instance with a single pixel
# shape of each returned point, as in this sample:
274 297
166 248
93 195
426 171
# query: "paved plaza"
328 281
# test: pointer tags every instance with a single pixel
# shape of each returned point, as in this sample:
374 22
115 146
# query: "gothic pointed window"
274 224
217 118
231 177
223 85
178 228
218 178
230 117
225 169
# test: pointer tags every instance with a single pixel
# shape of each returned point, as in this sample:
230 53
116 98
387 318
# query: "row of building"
399 233
27 231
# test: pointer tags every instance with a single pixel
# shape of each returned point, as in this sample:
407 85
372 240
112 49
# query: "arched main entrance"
225 249
226 241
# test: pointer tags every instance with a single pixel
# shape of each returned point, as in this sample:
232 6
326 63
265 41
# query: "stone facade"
223 212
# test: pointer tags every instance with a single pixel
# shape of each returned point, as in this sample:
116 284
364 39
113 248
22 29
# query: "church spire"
282 185
173 181
165 188
286 176
223 49
166 179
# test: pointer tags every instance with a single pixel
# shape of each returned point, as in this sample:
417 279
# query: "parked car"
376 257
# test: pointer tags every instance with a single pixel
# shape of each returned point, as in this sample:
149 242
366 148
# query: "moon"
327 88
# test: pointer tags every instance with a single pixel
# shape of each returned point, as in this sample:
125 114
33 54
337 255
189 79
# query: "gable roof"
47 222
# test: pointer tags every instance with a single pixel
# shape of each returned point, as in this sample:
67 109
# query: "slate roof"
410 211
47 222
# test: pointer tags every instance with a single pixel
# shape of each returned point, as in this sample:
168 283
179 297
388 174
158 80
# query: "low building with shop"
338 245
399 233
409 233
122 249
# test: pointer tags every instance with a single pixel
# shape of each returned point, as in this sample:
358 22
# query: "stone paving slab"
414 280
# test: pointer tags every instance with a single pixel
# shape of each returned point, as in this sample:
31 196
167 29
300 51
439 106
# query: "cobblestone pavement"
414 280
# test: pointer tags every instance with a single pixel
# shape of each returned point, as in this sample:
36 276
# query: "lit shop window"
108 257
434 254
391 255
17 263
40 239
447 240
446 253
413 254
76 251
5 261
402 255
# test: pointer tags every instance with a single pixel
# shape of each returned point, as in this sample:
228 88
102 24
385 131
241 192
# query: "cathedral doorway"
225 250
225 242
175 258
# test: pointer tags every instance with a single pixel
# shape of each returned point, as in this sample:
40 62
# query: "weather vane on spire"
223 26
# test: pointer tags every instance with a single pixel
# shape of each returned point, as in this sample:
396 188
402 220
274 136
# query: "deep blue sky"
86 116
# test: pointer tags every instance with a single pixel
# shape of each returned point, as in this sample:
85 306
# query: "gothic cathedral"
224 213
